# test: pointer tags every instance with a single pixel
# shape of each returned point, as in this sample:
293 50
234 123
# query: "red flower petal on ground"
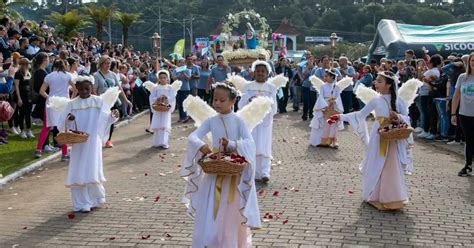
25 227
146 236
285 221
285 188
283 140
168 235
276 193
146 174
297 190
71 216
351 192
112 238
270 216
261 192
157 198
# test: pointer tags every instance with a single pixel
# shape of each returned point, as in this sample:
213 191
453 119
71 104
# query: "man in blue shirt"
304 72
195 72
347 94
183 74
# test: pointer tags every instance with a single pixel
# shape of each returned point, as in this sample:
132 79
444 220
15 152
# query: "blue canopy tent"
393 39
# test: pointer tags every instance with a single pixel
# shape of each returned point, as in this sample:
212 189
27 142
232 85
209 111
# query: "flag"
179 47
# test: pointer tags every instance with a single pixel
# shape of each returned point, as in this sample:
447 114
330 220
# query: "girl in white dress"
161 121
324 134
85 172
262 133
224 208
384 162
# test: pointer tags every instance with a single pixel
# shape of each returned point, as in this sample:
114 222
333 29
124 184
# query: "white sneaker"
423 134
453 142
50 149
30 134
23 135
430 136
418 130
13 130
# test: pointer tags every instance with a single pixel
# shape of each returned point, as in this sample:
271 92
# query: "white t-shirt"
58 83
433 72
466 88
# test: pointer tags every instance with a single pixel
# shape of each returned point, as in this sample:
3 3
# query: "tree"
99 15
126 20
6 8
69 23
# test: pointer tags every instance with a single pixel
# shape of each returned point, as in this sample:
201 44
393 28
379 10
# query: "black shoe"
466 171
304 118
265 179
311 116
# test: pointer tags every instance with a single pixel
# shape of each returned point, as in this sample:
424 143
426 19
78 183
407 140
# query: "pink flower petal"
285 221
157 198
146 236
261 192
276 193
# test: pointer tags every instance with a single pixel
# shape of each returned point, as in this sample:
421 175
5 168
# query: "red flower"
71 216
269 216
157 198
261 192
285 221
276 193
335 118
146 237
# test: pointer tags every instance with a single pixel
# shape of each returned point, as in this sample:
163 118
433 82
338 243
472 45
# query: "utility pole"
191 40
110 32
184 32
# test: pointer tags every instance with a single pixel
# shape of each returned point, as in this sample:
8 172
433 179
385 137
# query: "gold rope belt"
218 189
383 147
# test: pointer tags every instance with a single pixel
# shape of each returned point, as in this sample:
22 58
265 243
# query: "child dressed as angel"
384 161
163 93
224 208
262 134
92 115
329 103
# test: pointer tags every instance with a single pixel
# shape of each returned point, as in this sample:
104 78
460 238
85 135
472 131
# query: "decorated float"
248 47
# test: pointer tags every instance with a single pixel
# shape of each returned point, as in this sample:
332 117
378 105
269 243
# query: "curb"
38 164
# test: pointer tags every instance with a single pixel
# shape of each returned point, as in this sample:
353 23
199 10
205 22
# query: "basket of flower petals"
228 164
161 104
71 136
392 131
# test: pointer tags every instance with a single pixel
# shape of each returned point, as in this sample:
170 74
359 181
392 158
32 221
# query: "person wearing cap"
34 46
4 46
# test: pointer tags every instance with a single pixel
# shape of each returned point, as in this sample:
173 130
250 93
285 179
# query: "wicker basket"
71 136
161 107
221 167
330 111
396 133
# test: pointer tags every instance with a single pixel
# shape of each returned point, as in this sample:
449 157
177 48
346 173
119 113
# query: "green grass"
18 153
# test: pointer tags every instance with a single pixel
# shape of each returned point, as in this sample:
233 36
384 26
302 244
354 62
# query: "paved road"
318 201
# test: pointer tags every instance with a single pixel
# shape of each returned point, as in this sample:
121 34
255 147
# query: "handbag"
6 111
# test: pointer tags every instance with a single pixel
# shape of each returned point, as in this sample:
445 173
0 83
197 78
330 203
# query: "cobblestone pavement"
319 199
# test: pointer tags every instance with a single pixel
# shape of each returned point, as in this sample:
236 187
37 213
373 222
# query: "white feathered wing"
365 94
238 81
149 85
110 96
344 83
176 85
407 91
59 104
316 82
254 112
278 81
197 109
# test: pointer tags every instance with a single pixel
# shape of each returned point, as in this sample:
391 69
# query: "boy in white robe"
161 121
324 134
85 172
224 208
262 133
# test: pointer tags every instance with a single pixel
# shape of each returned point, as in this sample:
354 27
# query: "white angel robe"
262 133
85 172
321 131
161 122
383 180
230 227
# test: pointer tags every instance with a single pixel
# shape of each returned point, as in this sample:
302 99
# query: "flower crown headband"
82 78
261 62
163 71
229 86
393 77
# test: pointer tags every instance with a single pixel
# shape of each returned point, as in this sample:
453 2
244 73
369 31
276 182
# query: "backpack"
439 86
6 111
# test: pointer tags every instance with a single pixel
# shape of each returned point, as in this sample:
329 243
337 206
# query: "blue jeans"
444 117
305 94
180 97
422 112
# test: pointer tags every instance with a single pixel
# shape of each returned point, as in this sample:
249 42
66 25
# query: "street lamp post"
333 39
155 44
